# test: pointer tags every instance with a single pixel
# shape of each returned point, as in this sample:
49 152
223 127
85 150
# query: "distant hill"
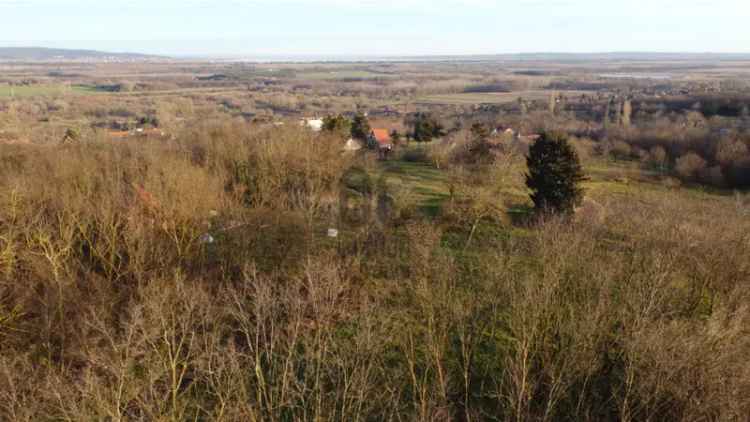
58 54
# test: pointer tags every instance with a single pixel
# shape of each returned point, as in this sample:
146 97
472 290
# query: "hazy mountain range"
59 54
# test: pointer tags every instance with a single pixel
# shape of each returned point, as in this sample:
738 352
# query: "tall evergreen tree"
425 127
480 151
554 174
337 124
361 127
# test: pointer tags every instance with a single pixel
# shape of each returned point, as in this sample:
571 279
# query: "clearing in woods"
427 186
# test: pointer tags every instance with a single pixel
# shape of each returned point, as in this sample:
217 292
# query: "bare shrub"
690 165
658 157
730 150
713 176
621 150
192 279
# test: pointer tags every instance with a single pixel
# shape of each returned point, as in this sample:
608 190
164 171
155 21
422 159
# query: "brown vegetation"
192 277
114 305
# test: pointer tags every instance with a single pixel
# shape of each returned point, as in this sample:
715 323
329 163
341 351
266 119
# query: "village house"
314 124
381 138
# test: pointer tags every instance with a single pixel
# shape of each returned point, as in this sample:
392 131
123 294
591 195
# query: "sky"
377 27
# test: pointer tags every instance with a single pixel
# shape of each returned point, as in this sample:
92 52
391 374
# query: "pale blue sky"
378 27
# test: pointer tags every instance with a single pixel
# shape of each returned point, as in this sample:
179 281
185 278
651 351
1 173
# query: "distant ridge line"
53 54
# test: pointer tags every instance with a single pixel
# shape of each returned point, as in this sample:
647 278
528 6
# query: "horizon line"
240 55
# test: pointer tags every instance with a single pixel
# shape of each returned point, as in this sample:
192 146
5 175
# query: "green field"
42 90
428 186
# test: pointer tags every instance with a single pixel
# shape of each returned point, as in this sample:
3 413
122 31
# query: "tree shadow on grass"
521 214
432 204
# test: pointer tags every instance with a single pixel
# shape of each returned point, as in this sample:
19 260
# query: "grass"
43 90
628 177
428 184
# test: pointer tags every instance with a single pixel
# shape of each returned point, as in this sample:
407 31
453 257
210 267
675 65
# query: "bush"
339 125
621 150
416 155
690 165
730 150
713 176
739 173
360 127
357 179
658 157
425 127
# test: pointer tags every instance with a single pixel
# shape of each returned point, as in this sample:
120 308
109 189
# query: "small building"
316 125
381 138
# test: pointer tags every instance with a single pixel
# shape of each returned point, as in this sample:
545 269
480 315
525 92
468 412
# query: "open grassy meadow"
42 90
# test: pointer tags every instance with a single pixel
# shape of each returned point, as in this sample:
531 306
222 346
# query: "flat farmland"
24 91
342 74
492 97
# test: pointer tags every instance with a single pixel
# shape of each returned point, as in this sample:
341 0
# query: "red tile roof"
382 136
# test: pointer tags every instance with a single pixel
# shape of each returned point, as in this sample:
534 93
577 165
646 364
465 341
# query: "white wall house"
316 125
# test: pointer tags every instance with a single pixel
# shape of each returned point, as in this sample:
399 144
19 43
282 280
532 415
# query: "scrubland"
115 305
192 277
